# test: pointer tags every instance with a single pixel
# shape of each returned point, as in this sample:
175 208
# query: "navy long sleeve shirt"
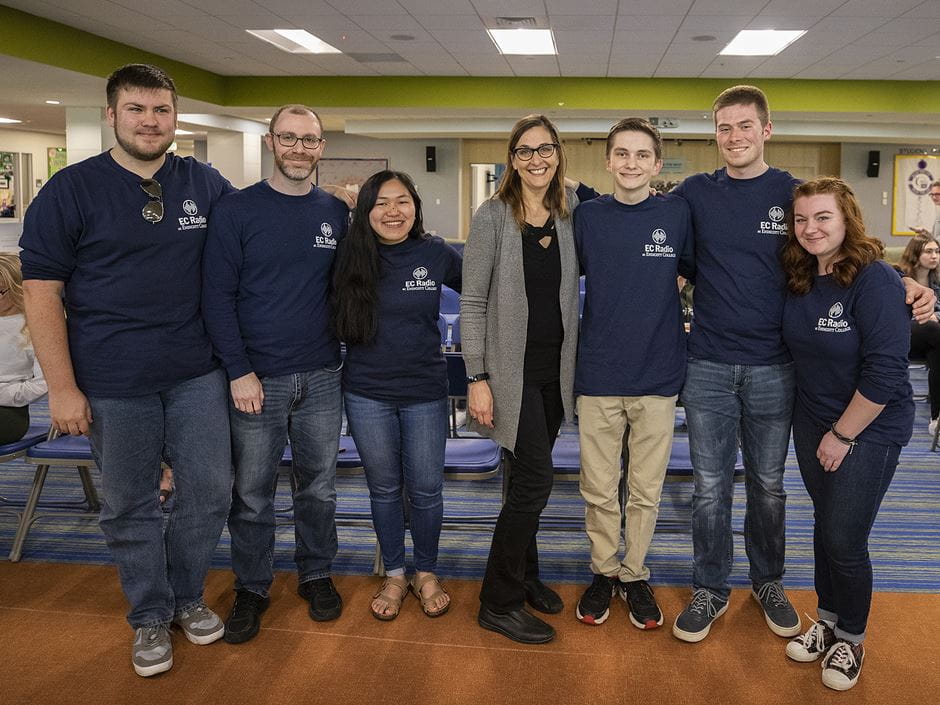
404 362
267 269
855 338
632 340
740 227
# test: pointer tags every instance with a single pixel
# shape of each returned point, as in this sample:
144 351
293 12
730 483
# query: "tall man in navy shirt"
120 236
267 267
740 378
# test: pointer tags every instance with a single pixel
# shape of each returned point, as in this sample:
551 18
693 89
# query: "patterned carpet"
905 543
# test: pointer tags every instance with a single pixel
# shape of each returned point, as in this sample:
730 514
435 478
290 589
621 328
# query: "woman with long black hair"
387 286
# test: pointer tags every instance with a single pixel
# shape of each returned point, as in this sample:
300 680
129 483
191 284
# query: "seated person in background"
630 365
21 380
935 197
921 262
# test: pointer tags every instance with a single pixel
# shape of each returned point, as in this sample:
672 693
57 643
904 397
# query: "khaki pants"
602 422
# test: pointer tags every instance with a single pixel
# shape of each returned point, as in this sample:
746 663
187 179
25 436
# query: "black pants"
14 422
513 553
925 345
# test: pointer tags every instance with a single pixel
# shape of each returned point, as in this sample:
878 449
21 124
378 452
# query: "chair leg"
29 513
91 495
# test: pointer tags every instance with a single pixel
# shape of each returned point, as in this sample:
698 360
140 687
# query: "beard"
140 154
295 173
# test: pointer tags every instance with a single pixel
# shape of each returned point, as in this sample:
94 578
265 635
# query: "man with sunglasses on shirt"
267 270
118 238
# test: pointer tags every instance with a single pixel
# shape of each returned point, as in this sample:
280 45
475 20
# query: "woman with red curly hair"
846 324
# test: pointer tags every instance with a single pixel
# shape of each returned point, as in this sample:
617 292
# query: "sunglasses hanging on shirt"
153 211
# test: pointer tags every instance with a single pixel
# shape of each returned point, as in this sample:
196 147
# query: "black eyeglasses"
153 211
526 153
289 139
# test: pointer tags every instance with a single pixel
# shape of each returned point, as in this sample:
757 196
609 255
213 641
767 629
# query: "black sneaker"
245 619
842 665
695 621
325 602
594 605
815 642
778 612
644 612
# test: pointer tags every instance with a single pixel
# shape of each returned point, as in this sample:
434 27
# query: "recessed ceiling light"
53 102
525 42
294 41
183 132
761 42
8 121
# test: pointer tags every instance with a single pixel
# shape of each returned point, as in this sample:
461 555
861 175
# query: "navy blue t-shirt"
740 228
267 270
843 340
132 288
404 362
632 340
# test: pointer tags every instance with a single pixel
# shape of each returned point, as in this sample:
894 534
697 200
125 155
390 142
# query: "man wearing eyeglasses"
267 265
935 197
119 237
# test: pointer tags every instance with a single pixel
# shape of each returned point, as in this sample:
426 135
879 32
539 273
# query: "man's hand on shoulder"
247 393
921 299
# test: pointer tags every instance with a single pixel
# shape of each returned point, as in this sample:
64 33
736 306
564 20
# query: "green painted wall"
29 37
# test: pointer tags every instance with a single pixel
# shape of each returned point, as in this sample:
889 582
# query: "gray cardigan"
494 312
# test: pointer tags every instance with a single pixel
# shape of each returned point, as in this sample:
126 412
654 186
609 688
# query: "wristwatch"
478 378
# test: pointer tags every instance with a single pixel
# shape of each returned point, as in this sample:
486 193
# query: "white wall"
870 190
439 191
25 142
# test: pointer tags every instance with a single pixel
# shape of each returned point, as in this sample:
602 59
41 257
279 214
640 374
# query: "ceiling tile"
579 7
875 8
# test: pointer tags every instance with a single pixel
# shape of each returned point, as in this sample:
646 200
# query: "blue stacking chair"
73 451
17 449
455 334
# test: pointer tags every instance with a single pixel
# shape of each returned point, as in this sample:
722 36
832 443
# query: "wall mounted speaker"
430 158
874 161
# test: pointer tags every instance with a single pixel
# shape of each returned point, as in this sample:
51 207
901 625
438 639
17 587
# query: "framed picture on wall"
348 173
912 206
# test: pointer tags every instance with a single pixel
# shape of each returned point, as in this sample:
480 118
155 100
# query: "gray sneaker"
695 621
153 651
200 624
778 612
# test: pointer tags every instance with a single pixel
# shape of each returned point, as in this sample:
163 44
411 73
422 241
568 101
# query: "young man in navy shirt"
267 268
631 363
119 237
740 380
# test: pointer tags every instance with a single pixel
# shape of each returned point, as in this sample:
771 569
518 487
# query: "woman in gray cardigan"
519 322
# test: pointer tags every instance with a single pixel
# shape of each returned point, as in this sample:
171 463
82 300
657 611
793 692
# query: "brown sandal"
427 603
387 594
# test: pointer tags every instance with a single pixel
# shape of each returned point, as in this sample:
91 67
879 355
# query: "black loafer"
542 598
517 625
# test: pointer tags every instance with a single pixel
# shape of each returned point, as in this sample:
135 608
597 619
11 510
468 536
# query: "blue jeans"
402 445
307 408
724 402
845 503
163 571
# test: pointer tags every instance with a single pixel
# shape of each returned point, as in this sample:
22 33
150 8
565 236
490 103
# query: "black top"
542 269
